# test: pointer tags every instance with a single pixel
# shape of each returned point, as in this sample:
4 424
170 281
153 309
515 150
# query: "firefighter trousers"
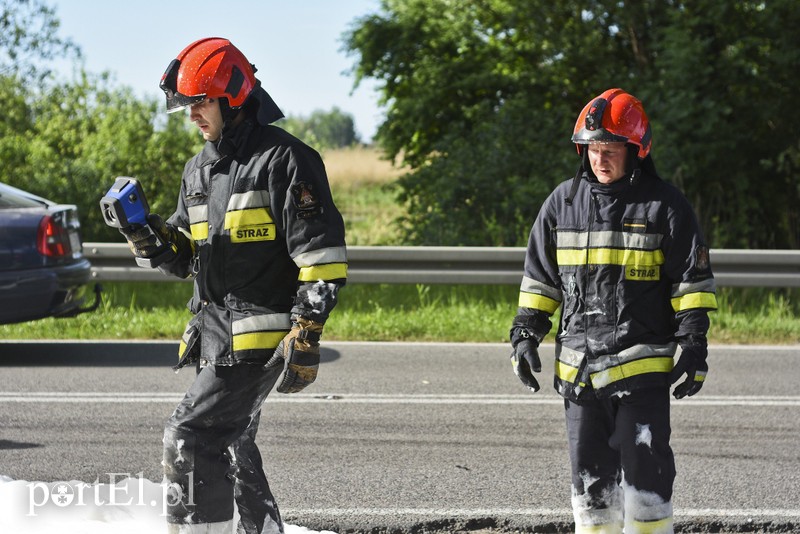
211 459
622 464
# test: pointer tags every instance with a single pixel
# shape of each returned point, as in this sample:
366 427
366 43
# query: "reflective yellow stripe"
694 300
566 372
700 376
650 527
611 528
181 349
331 271
609 256
538 302
248 217
258 340
636 367
200 231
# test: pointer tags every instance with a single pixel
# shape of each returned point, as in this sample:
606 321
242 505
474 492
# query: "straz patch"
256 232
650 273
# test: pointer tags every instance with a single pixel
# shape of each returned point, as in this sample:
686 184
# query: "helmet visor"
177 102
584 136
169 84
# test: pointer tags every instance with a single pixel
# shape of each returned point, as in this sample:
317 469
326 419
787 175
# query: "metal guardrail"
466 265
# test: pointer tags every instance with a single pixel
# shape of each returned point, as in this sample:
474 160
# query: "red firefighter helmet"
208 68
614 116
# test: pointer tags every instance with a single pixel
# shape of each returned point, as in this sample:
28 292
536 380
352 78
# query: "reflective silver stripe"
573 357
321 256
635 352
704 286
185 232
250 199
198 213
608 238
529 285
569 356
262 323
597 519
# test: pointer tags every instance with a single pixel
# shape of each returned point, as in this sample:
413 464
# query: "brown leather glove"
299 351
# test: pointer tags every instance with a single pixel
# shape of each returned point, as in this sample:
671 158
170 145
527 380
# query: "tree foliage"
29 39
69 143
482 96
323 130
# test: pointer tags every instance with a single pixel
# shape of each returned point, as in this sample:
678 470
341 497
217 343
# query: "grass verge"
388 312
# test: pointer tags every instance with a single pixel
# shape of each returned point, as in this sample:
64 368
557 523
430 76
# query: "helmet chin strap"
576 180
632 165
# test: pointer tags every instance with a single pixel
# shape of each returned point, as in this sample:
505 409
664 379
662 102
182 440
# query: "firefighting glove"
525 357
143 242
692 363
299 352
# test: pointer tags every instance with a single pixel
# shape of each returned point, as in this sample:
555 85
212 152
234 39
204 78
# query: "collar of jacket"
231 142
620 186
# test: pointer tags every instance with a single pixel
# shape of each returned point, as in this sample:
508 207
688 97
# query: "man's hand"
143 243
692 363
299 351
525 361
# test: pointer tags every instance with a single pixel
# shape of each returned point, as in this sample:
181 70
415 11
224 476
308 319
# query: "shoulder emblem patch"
701 257
305 201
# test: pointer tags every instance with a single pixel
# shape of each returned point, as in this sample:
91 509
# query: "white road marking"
360 398
688 513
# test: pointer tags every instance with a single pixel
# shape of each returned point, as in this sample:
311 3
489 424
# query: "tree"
482 96
323 129
71 141
727 119
68 141
29 38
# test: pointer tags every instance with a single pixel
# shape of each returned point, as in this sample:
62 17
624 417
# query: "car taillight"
52 239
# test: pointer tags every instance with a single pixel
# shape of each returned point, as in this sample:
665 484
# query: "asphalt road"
410 437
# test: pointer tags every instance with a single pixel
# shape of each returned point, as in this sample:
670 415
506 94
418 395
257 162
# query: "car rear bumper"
50 291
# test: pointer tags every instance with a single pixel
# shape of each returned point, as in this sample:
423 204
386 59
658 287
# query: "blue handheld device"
125 207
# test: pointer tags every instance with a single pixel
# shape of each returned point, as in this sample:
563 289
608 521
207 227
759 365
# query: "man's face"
608 161
208 117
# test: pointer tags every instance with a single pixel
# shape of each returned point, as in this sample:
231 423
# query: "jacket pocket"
256 330
189 348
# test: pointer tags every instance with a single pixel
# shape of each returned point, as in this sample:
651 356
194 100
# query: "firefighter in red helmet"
257 231
620 252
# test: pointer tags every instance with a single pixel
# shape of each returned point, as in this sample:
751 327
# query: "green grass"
369 212
389 312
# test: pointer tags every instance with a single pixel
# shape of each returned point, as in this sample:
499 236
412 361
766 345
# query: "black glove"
143 243
525 357
692 363
299 351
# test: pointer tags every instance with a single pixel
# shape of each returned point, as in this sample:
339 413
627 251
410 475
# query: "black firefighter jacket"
629 268
267 243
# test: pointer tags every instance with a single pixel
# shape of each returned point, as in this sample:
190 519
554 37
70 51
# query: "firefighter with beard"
258 232
620 251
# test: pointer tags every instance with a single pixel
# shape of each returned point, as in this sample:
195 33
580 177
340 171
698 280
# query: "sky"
296 46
